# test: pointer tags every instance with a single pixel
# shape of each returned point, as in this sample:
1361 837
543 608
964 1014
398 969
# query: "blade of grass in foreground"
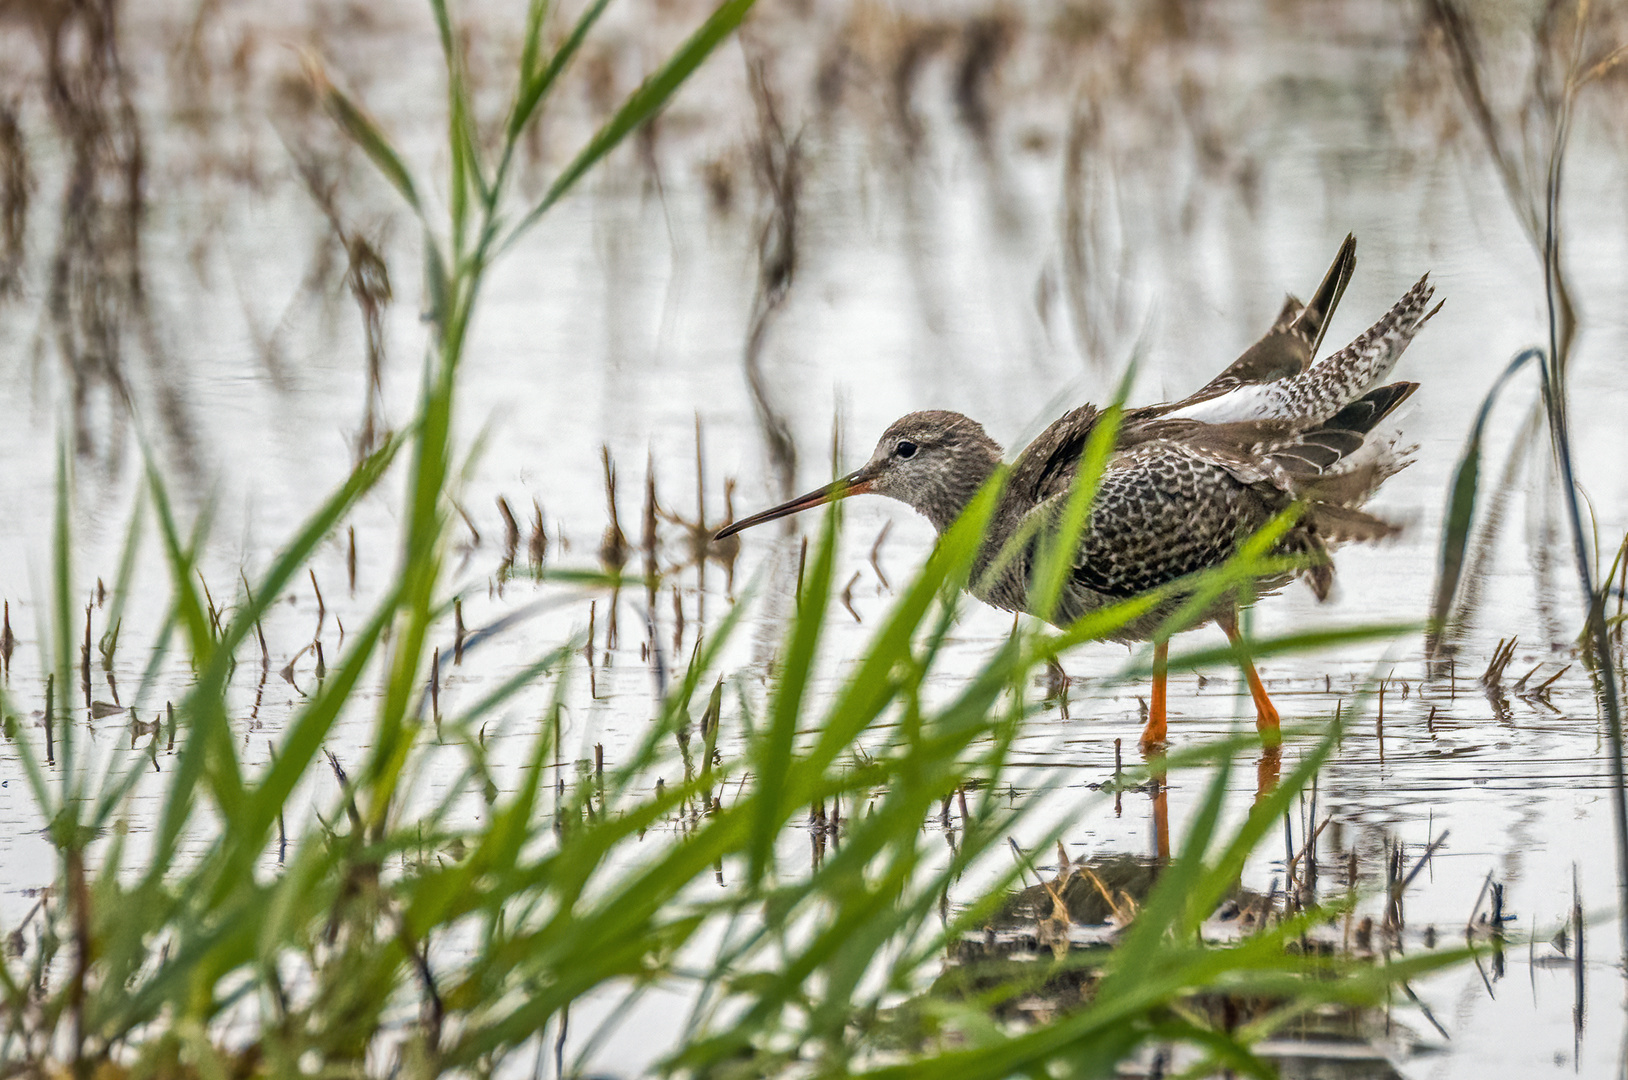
873 685
1056 564
61 636
772 760
364 132
1159 961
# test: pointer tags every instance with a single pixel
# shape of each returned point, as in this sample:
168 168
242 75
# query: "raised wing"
1331 383
1289 347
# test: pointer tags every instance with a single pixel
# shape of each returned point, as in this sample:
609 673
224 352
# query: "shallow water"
934 271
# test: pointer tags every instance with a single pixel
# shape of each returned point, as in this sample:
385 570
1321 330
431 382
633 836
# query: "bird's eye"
905 449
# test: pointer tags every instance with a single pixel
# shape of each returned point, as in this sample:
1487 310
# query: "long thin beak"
855 483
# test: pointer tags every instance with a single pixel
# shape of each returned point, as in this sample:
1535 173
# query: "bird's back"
1188 480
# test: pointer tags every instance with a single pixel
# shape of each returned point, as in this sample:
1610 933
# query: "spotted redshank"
1186 481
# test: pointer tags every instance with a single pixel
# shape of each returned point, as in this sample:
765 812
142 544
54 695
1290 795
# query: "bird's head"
933 461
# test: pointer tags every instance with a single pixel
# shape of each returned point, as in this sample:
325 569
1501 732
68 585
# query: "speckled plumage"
1186 480
1177 496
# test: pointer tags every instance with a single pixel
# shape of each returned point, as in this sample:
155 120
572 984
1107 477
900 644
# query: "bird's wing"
1165 509
1178 495
1331 383
1047 466
1290 345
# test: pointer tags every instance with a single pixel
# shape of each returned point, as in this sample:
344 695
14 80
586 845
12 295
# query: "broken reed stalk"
678 622
322 606
1579 972
1379 724
848 597
537 545
802 567
702 535
435 687
648 543
50 705
458 631
8 642
511 530
1622 595
84 658
613 546
876 555
1502 655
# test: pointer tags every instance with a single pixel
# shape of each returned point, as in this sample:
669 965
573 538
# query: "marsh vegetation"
376 699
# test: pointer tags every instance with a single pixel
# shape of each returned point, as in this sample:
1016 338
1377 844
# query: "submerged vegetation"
474 894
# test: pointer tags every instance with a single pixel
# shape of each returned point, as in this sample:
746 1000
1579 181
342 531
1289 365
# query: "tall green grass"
207 963
399 936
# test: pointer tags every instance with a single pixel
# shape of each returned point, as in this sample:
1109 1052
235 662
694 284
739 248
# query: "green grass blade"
508 688
772 755
1056 564
188 605
466 182
1164 908
296 553
61 636
536 84
640 106
38 785
127 570
1309 641
873 685
532 44
364 132
1267 812
300 746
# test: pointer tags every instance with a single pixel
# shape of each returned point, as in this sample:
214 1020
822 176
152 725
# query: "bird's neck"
959 487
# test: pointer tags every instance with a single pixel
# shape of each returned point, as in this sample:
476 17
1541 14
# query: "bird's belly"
1078 601
1010 593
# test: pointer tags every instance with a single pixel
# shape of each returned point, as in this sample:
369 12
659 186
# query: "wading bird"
1186 482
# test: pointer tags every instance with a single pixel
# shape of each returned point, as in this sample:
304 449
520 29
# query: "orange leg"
1154 734
1266 714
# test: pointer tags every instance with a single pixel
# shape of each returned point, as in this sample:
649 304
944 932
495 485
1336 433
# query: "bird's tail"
1335 467
1340 378
1322 389
1327 450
